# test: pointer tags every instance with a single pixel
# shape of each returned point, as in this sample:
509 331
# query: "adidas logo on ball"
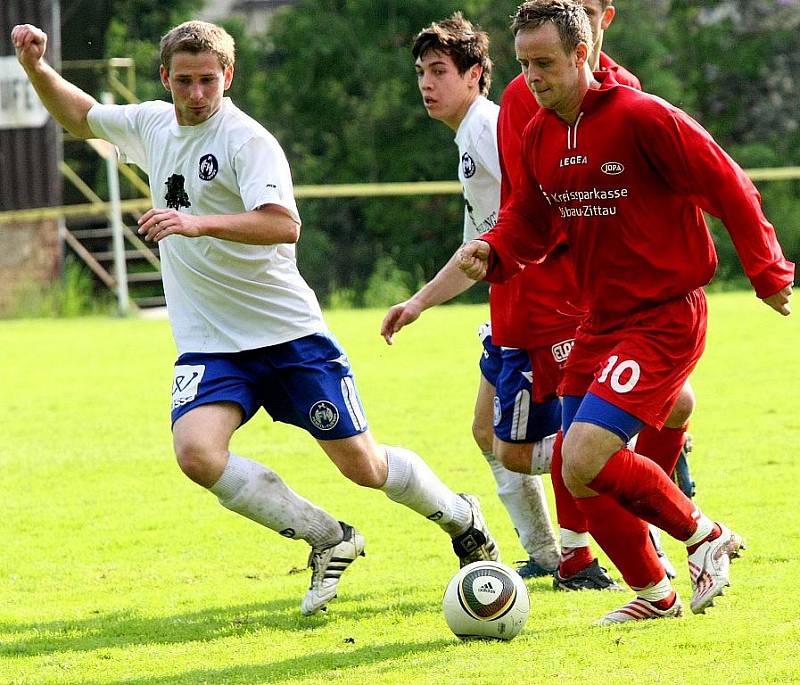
486 599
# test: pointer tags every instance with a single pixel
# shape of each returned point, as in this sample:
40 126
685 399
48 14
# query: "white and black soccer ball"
487 600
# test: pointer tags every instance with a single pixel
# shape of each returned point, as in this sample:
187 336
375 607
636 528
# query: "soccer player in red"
529 311
622 178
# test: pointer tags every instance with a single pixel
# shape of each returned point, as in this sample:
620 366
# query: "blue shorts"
593 409
516 417
305 382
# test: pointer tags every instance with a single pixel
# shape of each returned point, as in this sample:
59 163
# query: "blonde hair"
567 16
195 37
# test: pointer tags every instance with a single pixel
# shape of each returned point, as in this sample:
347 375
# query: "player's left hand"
157 224
780 301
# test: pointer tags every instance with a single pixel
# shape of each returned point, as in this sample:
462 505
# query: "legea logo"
612 168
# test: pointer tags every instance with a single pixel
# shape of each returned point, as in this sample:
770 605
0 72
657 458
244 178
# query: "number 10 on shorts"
622 376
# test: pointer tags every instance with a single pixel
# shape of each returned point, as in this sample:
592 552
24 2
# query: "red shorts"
641 365
547 365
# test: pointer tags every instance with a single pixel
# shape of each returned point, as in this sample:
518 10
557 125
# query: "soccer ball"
487 600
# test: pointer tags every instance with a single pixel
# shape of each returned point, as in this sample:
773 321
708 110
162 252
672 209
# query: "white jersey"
222 296
479 167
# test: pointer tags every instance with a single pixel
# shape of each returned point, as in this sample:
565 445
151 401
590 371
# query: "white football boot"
639 609
476 542
709 568
327 566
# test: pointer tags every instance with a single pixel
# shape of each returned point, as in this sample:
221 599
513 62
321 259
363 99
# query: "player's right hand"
781 301
473 259
398 316
30 43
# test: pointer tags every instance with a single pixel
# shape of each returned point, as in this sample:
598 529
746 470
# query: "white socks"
412 483
657 592
258 493
704 527
542 455
570 539
524 498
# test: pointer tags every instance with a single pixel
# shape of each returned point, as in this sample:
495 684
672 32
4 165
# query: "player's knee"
514 456
364 469
683 408
578 468
483 433
199 461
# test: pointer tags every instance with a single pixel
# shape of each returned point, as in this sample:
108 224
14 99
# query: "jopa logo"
612 168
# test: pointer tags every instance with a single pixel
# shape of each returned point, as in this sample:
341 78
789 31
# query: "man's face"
446 94
600 19
197 82
552 74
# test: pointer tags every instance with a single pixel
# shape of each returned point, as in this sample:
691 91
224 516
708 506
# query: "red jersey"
626 186
531 310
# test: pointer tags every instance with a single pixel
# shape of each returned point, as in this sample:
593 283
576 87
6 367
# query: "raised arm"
67 103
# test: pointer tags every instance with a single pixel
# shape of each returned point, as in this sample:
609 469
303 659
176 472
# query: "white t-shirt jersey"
222 296
479 167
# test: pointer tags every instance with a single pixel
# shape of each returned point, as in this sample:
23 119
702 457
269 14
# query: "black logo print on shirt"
468 165
208 167
176 196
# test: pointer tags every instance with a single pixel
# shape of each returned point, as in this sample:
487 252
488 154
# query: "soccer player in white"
454 73
248 330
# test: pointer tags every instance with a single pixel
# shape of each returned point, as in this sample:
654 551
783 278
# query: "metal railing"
141 205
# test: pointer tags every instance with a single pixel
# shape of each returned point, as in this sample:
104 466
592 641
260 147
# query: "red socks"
624 538
716 531
642 487
567 512
573 559
662 446
666 603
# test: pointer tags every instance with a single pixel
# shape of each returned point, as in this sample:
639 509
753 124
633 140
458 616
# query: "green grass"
114 569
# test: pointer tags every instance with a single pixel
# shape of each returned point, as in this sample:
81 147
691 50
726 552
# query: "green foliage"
387 285
135 31
70 296
117 570
342 99
334 81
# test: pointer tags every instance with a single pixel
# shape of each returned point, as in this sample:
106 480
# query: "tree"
333 80
341 96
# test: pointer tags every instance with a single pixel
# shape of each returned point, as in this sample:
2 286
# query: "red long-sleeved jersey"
625 186
531 309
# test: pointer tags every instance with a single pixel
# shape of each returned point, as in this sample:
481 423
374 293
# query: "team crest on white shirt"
324 415
468 165
209 166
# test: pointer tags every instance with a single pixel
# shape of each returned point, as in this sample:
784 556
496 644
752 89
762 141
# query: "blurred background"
334 81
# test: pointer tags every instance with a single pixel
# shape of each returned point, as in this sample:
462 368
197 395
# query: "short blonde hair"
568 16
198 36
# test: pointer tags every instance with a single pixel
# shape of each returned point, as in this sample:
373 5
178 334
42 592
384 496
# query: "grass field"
114 569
